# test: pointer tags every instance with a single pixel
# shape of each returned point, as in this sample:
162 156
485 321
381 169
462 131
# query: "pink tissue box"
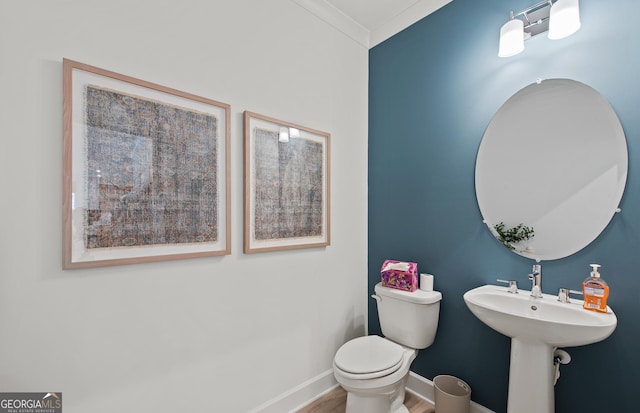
400 275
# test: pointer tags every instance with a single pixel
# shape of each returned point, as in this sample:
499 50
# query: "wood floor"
335 402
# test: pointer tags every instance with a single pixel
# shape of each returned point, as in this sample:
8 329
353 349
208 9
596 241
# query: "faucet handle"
513 285
563 294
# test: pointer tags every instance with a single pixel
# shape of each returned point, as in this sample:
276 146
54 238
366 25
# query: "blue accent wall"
433 89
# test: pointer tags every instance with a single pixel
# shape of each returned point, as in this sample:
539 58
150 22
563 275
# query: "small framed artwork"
146 171
286 185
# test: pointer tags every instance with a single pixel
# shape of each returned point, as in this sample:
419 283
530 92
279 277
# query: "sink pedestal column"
531 374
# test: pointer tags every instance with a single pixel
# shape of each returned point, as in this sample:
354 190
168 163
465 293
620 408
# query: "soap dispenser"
596 291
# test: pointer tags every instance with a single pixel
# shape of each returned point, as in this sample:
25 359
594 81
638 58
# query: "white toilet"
374 370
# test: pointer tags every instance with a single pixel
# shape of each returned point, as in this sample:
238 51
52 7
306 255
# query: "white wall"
222 334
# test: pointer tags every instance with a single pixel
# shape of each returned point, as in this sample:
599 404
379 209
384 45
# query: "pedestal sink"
537 326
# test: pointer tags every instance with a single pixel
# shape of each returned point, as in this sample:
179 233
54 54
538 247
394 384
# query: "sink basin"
537 326
539 319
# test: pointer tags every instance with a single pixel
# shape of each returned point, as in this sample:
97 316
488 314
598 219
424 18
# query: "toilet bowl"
374 372
374 369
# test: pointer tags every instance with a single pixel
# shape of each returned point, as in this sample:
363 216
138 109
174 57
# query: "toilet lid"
369 354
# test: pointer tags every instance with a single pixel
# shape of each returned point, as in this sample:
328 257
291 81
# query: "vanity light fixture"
561 18
511 37
564 19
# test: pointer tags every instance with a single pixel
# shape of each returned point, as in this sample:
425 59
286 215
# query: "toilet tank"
408 318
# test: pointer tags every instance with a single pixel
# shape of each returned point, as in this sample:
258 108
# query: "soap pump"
596 291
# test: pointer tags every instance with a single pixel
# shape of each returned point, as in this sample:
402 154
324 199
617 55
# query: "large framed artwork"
146 171
286 185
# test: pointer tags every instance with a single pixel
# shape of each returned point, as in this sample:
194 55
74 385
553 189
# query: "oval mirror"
551 169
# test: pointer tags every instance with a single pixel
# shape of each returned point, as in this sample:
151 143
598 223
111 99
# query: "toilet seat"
368 357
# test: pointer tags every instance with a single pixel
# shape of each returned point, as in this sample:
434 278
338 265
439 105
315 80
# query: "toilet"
373 370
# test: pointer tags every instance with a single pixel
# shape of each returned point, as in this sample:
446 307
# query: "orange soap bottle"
596 291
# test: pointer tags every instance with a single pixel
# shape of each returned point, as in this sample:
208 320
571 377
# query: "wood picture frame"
146 171
286 185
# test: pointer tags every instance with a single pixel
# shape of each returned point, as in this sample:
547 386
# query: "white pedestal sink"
537 326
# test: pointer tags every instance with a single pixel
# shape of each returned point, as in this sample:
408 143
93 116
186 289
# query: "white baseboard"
423 388
316 387
301 395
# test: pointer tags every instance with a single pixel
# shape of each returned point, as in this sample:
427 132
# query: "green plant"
510 236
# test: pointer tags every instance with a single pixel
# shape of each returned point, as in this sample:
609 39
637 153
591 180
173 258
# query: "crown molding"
336 18
409 16
345 24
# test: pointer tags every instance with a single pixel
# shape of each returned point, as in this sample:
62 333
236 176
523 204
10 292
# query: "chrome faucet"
536 281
